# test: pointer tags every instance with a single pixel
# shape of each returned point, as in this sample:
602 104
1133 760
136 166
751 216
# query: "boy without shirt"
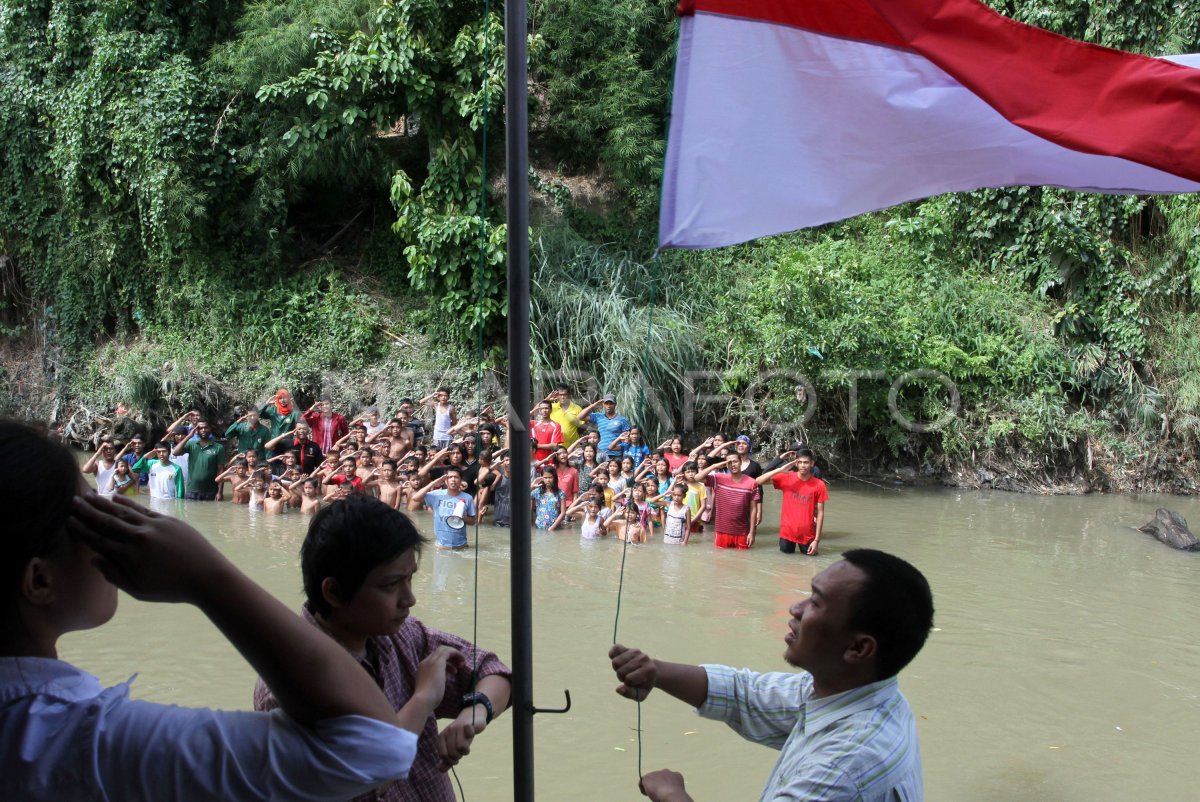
400 438
391 490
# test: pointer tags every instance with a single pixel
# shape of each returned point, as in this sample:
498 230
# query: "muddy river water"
1065 663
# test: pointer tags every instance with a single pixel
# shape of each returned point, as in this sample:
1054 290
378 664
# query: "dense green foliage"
289 191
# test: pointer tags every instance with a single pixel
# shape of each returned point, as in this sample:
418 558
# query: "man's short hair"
805 452
347 540
563 386
895 606
453 469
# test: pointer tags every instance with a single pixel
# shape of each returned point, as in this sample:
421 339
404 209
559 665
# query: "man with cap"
608 423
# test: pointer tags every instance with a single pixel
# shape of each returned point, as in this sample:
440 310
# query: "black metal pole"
516 138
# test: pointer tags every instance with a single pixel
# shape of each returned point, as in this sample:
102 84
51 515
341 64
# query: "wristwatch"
476 698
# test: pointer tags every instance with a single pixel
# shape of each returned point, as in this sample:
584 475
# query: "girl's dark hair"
35 513
347 540
553 474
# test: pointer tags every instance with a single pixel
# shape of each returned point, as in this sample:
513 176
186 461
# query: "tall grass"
598 311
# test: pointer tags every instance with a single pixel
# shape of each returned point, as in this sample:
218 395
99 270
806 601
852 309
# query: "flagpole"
516 138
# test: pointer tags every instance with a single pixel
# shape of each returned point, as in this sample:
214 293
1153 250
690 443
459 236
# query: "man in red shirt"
803 513
734 494
327 426
546 433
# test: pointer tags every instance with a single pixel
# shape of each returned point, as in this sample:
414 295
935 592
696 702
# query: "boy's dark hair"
404 401
161 444
390 462
452 469
563 386
805 452
347 540
444 389
35 513
691 465
895 606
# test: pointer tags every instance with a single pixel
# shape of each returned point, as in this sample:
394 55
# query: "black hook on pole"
567 694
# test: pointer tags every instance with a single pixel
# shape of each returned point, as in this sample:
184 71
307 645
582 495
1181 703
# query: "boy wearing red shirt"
803 513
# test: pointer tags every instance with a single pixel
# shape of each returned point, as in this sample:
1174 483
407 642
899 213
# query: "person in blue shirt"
630 444
443 503
842 726
608 423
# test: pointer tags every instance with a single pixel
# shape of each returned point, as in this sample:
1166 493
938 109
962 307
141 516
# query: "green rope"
480 269
654 275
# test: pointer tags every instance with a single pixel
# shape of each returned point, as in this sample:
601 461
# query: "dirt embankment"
34 386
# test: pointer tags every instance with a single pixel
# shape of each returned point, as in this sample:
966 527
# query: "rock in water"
1172 529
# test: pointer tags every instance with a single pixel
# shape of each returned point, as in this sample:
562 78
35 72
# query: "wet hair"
347 540
894 606
35 513
553 474
453 469
390 462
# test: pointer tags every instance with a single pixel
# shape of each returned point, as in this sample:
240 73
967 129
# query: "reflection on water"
1064 665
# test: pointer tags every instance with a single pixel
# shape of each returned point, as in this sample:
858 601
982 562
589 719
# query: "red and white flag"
793 113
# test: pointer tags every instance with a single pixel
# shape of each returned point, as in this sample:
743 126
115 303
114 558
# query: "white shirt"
856 745
64 737
162 479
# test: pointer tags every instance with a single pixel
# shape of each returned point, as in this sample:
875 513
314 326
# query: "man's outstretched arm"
639 674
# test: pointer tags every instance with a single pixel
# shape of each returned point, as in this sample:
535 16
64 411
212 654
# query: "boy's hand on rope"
664 785
636 670
454 741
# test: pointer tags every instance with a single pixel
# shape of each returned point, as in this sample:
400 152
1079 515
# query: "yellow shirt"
568 419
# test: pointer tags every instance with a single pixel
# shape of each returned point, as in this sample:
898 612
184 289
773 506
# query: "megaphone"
455 519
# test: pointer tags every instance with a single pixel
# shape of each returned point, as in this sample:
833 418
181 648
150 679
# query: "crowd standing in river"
590 464
355 687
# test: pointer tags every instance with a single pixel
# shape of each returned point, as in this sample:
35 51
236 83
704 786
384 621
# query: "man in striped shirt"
844 730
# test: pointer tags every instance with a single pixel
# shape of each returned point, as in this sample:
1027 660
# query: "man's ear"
862 649
331 593
37 582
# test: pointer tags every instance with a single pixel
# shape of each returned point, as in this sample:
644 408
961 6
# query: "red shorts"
724 541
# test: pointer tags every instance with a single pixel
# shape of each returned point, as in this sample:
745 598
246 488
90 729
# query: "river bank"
79 399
